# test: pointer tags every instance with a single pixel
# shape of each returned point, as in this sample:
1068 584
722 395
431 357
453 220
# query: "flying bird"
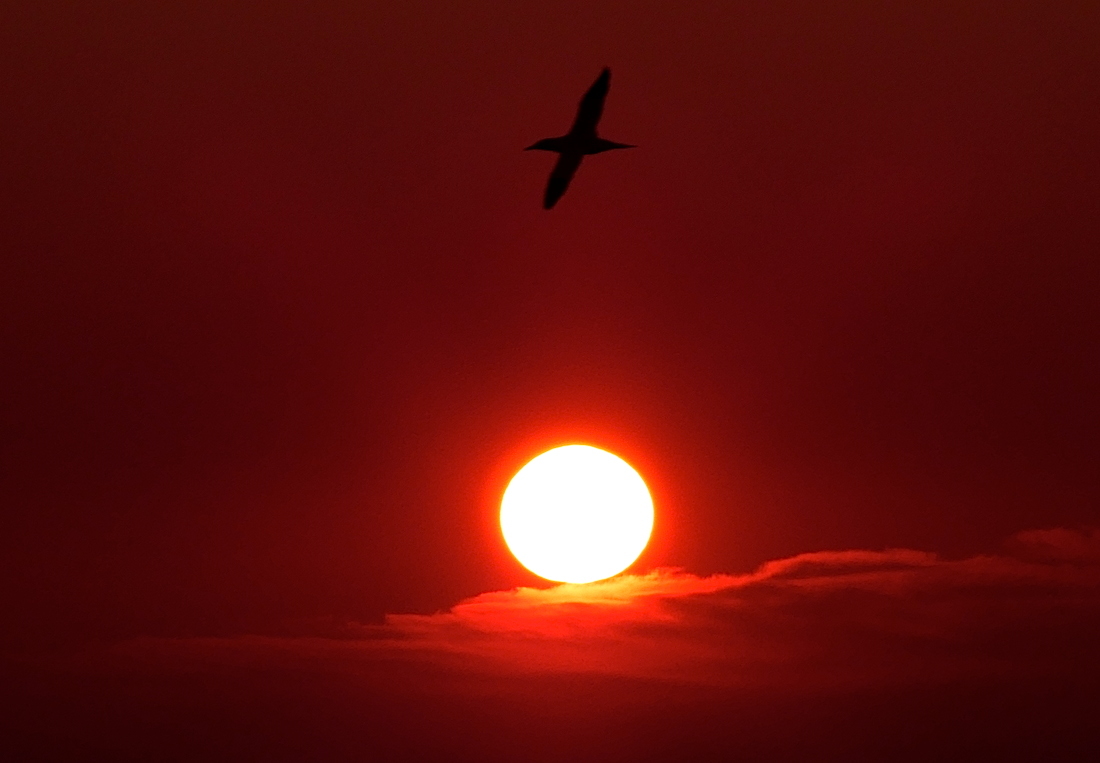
580 141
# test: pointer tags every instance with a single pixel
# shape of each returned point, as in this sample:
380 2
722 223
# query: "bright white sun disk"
576 514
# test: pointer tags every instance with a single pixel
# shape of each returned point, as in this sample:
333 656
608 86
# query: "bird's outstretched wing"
591 108
562 173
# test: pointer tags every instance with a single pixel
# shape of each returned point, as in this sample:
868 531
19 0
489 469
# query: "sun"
576 514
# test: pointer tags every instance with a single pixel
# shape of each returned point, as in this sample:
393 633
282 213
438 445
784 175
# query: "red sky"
280 314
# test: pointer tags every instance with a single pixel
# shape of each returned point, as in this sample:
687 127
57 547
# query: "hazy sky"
281 313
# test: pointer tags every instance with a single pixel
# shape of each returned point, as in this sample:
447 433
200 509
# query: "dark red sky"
280 312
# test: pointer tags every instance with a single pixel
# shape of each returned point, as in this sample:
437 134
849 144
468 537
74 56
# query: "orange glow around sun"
576 514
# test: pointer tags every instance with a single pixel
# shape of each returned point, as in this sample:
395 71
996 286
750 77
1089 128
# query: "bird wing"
560 176
591 107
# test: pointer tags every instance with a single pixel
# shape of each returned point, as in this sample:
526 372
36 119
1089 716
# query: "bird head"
546 144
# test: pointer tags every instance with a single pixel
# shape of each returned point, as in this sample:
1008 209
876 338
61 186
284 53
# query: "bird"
579 142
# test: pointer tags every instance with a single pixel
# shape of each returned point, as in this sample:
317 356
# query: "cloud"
836 655
831 618
822 620
1057 545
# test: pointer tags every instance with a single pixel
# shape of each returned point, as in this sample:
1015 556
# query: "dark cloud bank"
866 655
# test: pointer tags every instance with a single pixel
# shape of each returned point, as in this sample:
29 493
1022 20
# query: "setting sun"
576 514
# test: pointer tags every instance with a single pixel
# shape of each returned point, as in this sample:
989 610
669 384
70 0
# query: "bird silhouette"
579 142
